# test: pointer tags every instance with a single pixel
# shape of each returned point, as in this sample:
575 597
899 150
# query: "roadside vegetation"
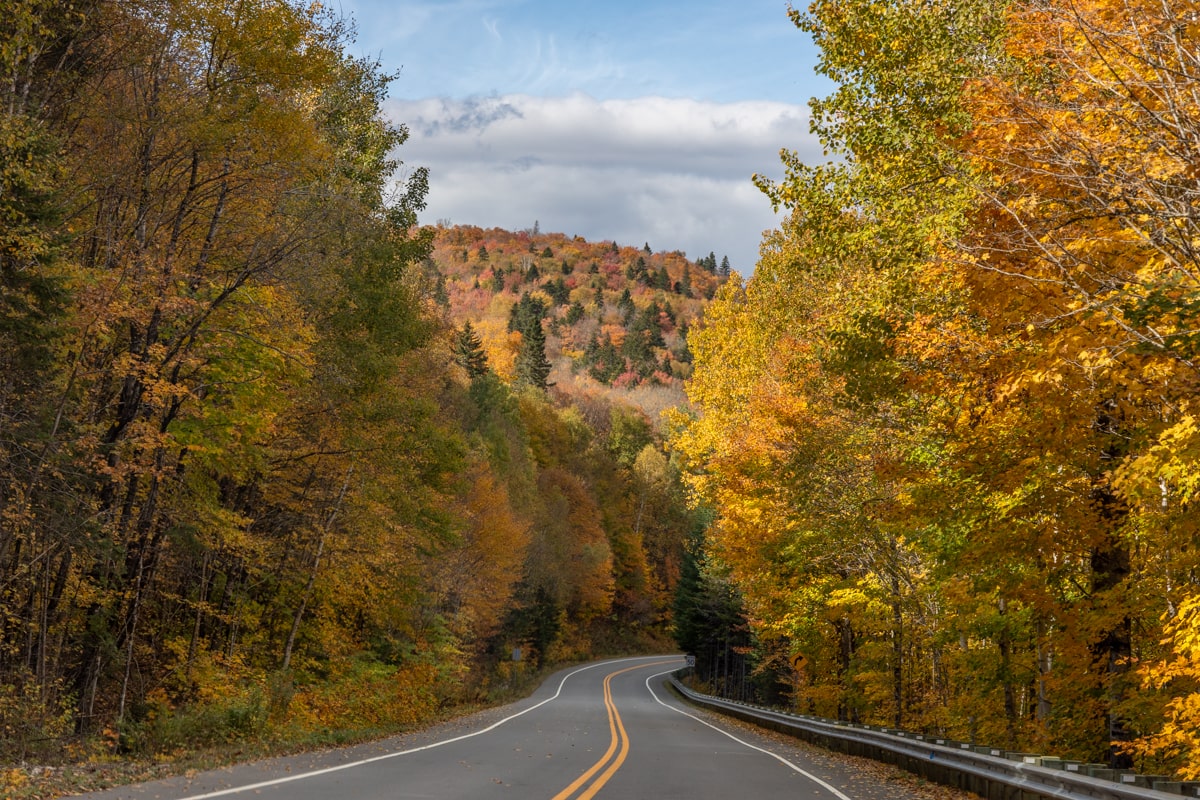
949 424
259 487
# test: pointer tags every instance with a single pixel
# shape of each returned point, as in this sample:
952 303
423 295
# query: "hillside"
615 318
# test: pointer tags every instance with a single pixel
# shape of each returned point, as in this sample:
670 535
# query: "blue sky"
634 121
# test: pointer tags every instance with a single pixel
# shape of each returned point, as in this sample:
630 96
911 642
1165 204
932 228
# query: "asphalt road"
608 729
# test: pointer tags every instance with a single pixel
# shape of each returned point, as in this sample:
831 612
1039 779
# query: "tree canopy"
947 423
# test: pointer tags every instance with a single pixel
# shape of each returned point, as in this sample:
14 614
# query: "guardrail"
988 772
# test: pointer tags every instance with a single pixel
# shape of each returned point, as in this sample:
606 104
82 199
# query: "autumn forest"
257 481
947 424
278 463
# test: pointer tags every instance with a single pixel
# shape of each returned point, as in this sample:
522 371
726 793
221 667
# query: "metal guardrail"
988 772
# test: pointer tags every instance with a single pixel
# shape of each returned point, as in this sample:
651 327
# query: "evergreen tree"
608 362
637 270
482 253
710 623
637 350
558 292
724 269
527 313
533 368
574 313
644 335
592 351
649 326
683 354
468 351
625 303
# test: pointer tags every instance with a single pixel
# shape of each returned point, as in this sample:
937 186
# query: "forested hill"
614 318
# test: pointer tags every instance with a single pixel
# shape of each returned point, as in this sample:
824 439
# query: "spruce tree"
574 313
533 368
468 351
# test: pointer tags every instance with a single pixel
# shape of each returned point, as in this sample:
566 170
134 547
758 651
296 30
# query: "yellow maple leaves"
962 377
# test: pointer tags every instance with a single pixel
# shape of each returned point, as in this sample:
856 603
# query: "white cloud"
672 172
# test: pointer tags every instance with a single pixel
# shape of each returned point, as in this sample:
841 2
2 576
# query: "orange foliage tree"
947 424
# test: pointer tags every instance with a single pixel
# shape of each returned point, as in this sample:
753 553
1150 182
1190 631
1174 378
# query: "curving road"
608 729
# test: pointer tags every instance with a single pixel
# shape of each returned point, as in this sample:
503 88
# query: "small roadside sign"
689 661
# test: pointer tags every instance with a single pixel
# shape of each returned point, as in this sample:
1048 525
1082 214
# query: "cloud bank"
674 173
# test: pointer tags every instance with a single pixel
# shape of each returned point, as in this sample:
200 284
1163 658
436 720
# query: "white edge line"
303 775
775 756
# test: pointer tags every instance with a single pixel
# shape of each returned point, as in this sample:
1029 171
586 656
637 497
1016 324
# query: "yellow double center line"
620 739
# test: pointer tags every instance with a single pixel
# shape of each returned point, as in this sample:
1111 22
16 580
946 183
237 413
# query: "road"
608 730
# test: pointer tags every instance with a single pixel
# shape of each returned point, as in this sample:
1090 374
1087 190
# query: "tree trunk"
897 653
326 527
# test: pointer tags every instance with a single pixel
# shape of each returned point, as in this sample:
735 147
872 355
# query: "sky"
638 122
